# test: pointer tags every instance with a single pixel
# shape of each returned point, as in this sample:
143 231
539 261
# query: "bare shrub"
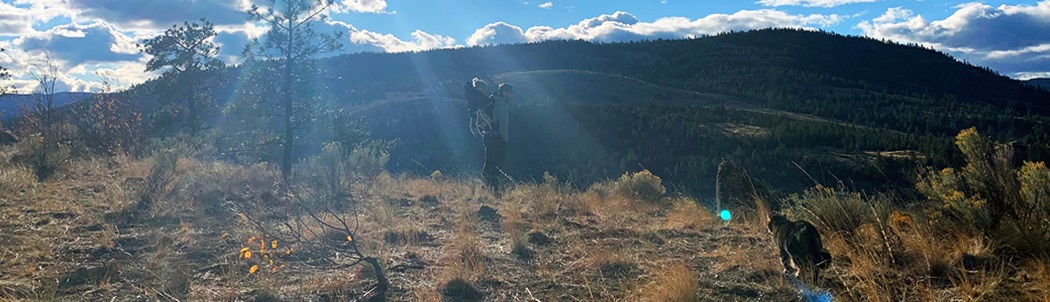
320 218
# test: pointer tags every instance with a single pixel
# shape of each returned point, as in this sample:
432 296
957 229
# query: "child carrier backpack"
479 107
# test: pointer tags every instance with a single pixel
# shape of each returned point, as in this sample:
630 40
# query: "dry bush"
15 179
588 203
369 159
1038 271
606 262
676 283
514 226
542 203
643 186
831 210
687 213
113 124
43 160
463 255
157 186
610 208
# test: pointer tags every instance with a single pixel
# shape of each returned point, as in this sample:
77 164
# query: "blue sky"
91 39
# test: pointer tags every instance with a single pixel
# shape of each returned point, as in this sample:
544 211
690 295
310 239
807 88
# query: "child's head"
480 85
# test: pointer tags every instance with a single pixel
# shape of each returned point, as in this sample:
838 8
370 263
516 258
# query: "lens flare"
725 215
812 294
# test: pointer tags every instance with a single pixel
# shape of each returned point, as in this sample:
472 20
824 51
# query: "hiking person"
496 135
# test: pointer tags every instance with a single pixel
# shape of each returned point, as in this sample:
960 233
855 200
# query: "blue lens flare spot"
817 297
725 215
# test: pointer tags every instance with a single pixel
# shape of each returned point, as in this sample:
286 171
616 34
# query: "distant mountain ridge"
1040 82
11 105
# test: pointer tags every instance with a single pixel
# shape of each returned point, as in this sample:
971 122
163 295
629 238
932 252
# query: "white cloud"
14 21
43 10
362 6
81 43
1014 39
811 3
145 16
497 33
389 43
623 26
74 49
546 5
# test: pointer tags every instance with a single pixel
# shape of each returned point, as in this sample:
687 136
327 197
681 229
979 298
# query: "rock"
539 238
461 290
429 199
7 139
975 263
522 252
487 213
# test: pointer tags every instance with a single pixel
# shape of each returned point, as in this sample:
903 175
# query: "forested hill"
852 79
1040 82
849 109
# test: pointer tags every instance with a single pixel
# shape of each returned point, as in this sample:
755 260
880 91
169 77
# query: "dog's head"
775 221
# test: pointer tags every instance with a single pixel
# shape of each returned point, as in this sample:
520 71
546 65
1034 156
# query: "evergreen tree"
287 51
187 54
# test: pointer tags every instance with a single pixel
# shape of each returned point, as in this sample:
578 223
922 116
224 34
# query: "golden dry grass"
676 283
686 213
599 245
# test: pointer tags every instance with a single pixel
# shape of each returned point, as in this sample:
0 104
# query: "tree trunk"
195 123
289 102
383 283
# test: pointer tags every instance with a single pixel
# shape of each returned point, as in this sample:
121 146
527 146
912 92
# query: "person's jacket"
501 116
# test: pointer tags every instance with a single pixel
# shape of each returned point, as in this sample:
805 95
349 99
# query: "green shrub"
642 185
369 159
992 198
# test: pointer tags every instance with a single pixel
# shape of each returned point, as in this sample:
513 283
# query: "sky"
95 41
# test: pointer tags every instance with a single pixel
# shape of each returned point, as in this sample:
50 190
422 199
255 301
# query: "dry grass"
605 245
16 179
687 214
676 283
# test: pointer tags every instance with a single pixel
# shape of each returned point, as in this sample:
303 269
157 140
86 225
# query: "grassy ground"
83 236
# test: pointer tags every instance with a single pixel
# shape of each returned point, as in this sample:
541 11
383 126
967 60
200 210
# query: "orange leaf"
348 238
273 244
253 269
248 255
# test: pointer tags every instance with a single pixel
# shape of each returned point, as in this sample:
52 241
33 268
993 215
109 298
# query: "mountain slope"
1040 82
11 105
852 79
775 99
